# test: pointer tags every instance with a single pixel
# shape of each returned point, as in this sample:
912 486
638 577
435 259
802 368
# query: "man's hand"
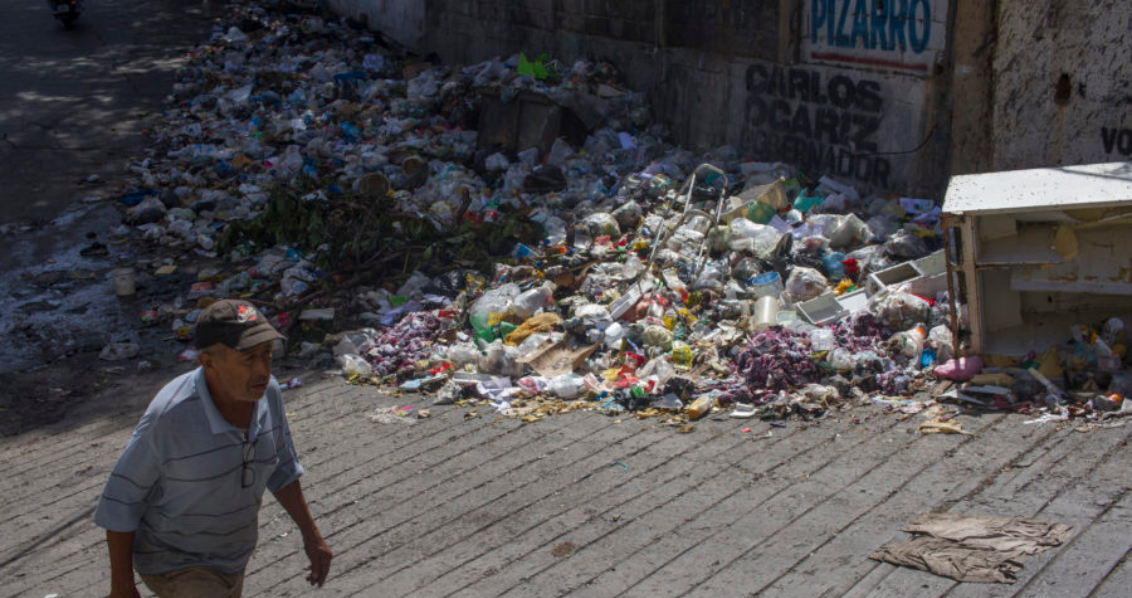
319 554
291 497
127 592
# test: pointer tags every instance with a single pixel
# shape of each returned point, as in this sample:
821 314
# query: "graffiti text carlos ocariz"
817 122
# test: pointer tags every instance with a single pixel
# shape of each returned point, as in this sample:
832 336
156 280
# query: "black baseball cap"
235 324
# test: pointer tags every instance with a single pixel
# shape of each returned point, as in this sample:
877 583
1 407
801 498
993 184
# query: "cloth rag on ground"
970 548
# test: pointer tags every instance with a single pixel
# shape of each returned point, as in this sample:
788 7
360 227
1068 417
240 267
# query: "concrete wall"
1062 83
888 94
400 20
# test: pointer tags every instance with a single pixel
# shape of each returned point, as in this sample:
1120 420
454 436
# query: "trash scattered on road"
405 414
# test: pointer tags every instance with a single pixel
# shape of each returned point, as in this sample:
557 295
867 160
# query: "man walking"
182 504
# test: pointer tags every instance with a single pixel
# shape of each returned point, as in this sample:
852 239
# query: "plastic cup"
766 313
124 282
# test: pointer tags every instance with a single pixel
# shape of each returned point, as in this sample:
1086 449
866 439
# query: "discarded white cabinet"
1040 250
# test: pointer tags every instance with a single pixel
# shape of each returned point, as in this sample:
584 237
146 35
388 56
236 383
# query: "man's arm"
121 545
292 499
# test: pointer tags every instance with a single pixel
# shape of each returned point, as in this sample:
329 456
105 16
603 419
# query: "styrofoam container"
823 309
854 301
931 265
928 286
878 281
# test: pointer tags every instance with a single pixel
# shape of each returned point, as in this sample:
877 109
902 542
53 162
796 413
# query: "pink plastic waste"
960 370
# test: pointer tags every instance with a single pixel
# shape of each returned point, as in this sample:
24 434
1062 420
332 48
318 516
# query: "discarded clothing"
970 548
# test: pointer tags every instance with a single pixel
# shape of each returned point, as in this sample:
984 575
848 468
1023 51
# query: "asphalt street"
72 104
70 101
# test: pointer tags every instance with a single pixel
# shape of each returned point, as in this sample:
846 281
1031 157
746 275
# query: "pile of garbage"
581 263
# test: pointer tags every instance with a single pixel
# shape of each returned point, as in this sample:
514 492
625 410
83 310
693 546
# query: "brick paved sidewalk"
587 505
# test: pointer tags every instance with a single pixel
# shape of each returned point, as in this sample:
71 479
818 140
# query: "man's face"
241 375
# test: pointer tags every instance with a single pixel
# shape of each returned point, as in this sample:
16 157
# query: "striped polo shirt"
179 485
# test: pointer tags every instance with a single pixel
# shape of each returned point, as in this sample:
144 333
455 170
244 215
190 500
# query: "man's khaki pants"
196 582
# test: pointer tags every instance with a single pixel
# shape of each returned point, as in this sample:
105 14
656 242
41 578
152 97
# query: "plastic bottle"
911 343
682 355
701 407
530 301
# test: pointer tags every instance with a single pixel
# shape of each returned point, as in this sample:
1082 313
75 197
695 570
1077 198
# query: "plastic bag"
462 354
901 311
850 231
632 267
941 340
805 284
497 161
560 152
821 339
423 86
602 223
870 259
566 386
658 336
529 302
354 365
628 215
841 360
905 246
961 369
748 236
712 277
910 343
489 309
659 368
498 360
834 269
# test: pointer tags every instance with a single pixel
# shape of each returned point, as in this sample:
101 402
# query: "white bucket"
124 282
